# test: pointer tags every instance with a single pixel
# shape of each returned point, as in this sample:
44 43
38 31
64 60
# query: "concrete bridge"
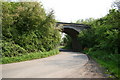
72 29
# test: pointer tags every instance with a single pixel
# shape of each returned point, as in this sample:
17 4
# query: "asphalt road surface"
59 66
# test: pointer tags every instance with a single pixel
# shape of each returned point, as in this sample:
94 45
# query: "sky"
73 10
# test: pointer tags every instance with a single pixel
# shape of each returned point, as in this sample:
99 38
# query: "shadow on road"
65 50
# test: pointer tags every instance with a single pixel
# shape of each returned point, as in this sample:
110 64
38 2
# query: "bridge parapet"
75 26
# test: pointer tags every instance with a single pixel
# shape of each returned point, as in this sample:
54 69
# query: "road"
59 66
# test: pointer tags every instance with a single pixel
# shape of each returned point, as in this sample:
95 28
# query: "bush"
101 42
27 28
103 33
10 49
87 38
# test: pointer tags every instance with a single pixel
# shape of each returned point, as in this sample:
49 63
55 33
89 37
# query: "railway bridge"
72 29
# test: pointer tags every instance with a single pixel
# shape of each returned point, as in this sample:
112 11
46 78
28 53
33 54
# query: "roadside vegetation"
27 30
101 41
107 60
29 56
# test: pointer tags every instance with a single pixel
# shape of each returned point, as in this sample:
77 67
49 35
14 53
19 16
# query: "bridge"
72 29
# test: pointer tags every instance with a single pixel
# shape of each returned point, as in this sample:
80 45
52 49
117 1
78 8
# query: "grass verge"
109 61
29 56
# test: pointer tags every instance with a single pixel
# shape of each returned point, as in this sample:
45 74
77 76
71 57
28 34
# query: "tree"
28 28
117 4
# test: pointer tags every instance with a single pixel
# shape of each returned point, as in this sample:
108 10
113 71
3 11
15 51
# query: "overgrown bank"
107 60
26 29
29 56
101 42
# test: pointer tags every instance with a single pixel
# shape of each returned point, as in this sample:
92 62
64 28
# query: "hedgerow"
26 28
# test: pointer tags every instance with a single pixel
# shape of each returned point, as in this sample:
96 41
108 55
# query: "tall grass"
108 60
29 56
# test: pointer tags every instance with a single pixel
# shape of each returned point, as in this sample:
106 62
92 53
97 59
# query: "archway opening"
66 41
70 40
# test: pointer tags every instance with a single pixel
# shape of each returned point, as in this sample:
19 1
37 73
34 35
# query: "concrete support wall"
76 45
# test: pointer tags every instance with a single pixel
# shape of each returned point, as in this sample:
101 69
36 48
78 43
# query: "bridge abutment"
76 45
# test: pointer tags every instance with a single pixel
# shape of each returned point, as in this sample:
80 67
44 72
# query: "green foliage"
26 26
67 41
108 41
102 41
86 38
10 49
103 33
29 56
108 60
86 21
